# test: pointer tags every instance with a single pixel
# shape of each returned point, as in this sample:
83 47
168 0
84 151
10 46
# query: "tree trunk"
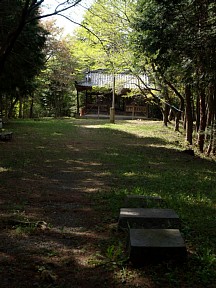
181 109
20 107
197 113
31 110
165 112
177 121
179 114
211 139
12 105
185 120
166 107
189 115
1 105
211 119
202 127
78 105
171 115
214 138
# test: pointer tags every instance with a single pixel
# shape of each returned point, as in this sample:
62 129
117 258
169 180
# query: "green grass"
136 157
148 161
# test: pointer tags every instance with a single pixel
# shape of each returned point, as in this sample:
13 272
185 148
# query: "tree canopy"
177 39
17 15
22 43
102 41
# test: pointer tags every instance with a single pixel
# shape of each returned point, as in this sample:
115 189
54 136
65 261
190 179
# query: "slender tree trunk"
214 122
165 112
166 107
202 127
6 106
197 113
211 119
214 138
31 110
171 115
211 138
78 105
179 114
12 105
189 115
177 121
20 107
185 120
1 105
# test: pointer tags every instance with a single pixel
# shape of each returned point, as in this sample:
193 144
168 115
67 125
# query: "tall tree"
178 36
56 81
24 62
15 15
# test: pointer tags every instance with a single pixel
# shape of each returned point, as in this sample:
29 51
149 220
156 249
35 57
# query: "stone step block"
148 218
156 245
141 201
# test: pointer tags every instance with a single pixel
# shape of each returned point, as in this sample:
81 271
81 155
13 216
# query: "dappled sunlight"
112 153
99 126
83 163
40 147
93 181
130 174
156 163
157 145
73 148
56 134
3 169
105 173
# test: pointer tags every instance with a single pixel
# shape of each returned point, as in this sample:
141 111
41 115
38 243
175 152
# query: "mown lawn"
129 157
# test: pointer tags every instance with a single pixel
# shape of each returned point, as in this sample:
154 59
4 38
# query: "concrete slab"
148 218
153 245
141 201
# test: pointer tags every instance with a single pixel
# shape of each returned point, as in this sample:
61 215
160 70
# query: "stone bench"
148 218
6 136
141 201
153 245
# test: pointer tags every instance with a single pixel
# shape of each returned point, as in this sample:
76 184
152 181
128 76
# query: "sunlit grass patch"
3 169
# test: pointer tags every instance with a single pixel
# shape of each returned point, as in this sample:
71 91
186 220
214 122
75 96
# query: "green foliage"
25 61
55 94
104 42
176 38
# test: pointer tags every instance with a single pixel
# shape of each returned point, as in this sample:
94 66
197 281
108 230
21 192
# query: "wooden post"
133 108
112 109
77 103
98 111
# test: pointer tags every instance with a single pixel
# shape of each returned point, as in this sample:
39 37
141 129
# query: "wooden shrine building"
97 93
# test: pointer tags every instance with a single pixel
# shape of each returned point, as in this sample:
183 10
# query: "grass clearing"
106 161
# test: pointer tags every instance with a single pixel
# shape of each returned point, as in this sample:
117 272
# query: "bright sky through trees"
75 14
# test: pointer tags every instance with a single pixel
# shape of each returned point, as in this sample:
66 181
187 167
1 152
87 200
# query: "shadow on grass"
75 178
